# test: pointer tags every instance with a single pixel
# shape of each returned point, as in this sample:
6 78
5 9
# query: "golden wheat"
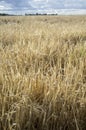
43 73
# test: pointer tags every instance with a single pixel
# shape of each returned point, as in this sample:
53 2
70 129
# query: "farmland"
43 73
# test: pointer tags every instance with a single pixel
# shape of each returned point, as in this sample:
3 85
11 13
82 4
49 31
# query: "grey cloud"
59 4
79 4
45 4
19 4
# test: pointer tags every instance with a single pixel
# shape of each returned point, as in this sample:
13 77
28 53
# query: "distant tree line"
26 14
3 14
40 14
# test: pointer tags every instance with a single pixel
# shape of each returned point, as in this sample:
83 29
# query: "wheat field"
43 73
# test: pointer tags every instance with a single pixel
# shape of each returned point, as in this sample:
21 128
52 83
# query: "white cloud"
40 0
5 6
1 7
38 3
41 5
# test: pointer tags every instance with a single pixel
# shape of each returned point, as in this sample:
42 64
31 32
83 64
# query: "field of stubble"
43 73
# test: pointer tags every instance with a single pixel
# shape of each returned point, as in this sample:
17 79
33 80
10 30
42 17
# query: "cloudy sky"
37 5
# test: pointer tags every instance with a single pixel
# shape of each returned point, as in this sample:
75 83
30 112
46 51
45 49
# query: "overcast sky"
6 5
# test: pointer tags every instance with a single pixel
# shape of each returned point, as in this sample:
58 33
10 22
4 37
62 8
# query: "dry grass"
43 73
